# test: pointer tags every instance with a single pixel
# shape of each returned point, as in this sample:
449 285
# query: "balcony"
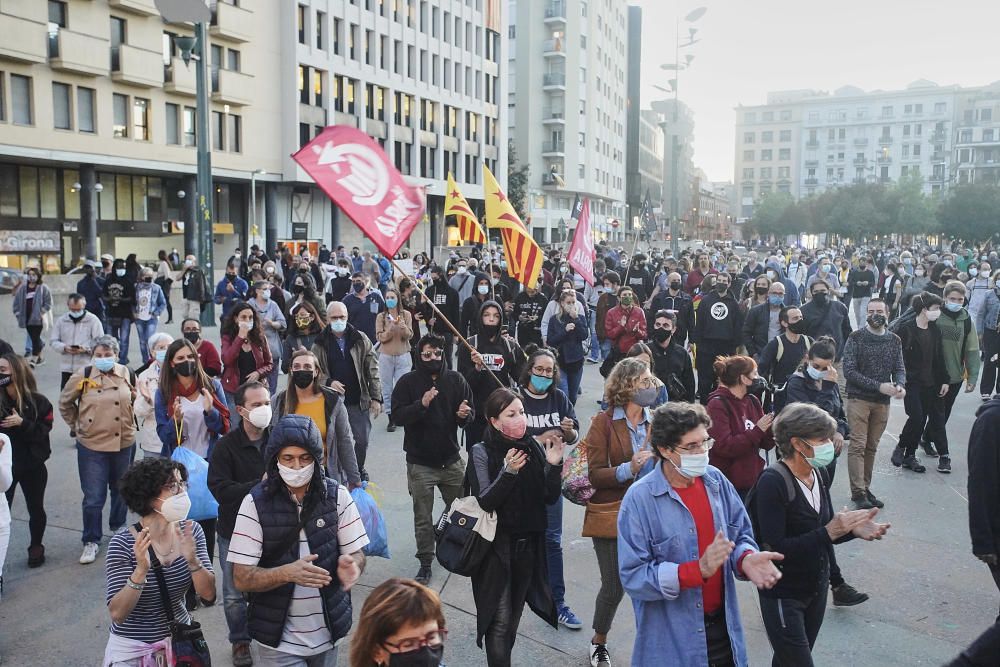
861 141
229 22
141 7
812 163
883 159
938 157
139 67
78 53
885 141
860 162
231 87
23 40
178 78
554 117
812 144
555 12
812 181
553 148
939 136
554 81
553 48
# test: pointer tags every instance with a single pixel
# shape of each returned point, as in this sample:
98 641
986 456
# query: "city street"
929 596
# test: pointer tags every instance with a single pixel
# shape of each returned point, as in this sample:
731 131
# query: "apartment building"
567 103
709 217
94 97
977 136
422 77
679 173
803 142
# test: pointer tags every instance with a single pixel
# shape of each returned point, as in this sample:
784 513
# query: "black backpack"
751 499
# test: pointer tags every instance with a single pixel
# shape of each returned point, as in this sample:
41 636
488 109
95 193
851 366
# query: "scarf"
178 390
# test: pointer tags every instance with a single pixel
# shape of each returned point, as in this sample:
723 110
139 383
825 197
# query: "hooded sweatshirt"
738 441
960 345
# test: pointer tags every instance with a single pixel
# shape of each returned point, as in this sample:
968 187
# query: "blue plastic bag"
374 522
203 503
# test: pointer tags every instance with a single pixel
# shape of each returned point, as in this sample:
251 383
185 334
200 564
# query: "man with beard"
529 306
431 403
718 325
671 364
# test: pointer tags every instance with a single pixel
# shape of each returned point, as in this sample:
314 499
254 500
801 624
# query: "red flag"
581 252
354 171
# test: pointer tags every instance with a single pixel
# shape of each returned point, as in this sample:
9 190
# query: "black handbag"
189 646
464 536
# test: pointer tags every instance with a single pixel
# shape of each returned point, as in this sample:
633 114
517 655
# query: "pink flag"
581 252
354 171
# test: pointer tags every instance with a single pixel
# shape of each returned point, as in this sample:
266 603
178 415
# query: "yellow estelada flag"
469 228
524 257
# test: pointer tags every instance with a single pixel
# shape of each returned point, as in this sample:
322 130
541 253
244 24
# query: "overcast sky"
750 47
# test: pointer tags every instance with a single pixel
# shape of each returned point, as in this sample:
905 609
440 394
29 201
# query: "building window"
318 88
140 119
218 131
784 172
233 60
785 135
767 137
986 114
119 107
85 109
748 156
786 114
234 133
940 107
748 137
887 112
190 127
784 153
765 154
750 117
20 90
118 37
61 116
172 120
916 150
320 30
301 21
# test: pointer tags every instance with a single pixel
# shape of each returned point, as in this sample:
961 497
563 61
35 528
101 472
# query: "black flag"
647 216
577 208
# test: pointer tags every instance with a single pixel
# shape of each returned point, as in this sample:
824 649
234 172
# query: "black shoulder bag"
189 645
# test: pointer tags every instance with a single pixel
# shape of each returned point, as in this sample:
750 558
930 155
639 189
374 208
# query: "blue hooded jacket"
791 291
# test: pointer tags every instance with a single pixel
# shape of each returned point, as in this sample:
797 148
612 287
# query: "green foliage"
517 181
774 214
971 213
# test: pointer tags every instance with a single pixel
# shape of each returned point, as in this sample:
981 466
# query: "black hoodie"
984 479
430 435
119 293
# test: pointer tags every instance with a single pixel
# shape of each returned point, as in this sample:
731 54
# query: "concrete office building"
567 110
678 135
95 97
423 78
977 136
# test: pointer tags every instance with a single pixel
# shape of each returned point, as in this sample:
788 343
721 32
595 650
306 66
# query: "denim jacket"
656 533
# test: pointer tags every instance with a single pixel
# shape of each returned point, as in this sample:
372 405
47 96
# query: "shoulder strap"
161 582
781 350
786 474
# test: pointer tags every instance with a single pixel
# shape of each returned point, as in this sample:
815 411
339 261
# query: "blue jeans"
596 349
123 332
99 472
605 348
144 329
234 417
569 382
234 604
554 552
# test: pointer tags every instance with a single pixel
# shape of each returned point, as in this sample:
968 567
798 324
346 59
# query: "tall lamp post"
254 228
677 66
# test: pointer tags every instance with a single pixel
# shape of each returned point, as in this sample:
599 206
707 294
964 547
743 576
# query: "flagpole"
451 326
631 259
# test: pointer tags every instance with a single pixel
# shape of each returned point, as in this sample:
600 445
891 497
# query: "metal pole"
675 146
253 207
88 210
204 194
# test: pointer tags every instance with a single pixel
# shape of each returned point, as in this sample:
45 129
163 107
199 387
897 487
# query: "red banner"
581 252
354 171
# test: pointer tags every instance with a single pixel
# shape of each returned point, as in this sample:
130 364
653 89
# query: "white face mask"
296 479
176 508
933 315
692 465
260 416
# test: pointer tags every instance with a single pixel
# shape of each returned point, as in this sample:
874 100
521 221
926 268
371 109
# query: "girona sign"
354 171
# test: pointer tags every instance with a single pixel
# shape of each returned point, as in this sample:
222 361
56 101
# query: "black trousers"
792 627
502 631
924 409
33 483
991 346
707 352
984 650
720 646
35 332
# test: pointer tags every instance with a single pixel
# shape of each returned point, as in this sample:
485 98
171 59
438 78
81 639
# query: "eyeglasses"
176 487
544 372
428 355
646 383
434 638
705 445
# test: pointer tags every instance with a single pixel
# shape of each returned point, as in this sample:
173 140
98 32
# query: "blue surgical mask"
692 465
822 455
160 356
815 373
540 383
483 289
775 300
339 326
104 364
119 272
77 314
953 307
391 303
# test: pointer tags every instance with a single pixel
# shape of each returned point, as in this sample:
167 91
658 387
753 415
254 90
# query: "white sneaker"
599 656
89 554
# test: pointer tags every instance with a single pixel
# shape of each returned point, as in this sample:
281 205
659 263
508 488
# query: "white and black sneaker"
599 656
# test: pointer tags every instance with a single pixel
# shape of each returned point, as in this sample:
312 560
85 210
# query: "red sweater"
738 441
210 359
634 330
695 498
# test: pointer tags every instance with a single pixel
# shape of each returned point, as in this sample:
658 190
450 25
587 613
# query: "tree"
773 214
517 181
910 211
971 213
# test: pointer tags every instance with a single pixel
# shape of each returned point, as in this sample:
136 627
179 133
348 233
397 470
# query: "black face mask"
675 285
297 289
432 366
757 385
662 335
489 330
147 280
192 336
798 327
722 289
231 277
185 368
760 290
5 379
876 321
425 656
820 298
303 378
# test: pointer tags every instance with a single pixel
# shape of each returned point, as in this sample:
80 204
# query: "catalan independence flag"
524 257
456 205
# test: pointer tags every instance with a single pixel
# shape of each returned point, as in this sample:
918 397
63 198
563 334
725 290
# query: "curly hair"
671 421
230 326
534 352
623 381
142 482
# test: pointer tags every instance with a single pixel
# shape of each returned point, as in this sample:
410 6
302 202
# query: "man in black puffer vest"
296 532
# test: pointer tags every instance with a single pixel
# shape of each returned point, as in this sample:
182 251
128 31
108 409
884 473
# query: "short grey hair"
107 341
157 338
801 420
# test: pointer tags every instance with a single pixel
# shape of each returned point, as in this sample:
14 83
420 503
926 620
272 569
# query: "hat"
108 256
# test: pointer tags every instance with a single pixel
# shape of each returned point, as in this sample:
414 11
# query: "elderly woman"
617 455
161 544
146 385
795 517
97 404
399 618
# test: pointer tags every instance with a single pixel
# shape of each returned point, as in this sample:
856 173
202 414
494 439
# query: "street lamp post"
254 228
